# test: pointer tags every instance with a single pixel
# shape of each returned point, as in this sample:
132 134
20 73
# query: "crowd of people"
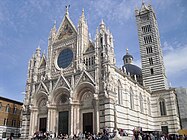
138 134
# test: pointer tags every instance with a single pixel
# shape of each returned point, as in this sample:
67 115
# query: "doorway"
43 124
63 122
88 122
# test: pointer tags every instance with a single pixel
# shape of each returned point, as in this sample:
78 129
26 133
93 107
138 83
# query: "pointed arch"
42 62
82 88
148 106
119 90
131 98
141 103
7 108
60 96
37 98
162 106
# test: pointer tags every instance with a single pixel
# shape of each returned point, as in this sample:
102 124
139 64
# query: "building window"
14 110
119 93
5 122
149 106
101 40
14 123
147 39
7 108
146 29
86 61
131 99
101 55
151 61
162 107
0 105
151 70
149 49
141 103
93 60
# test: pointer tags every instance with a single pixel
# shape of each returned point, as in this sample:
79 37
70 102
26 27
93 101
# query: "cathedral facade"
77 86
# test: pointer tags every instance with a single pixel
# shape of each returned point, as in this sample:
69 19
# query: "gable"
42 88
42 62
66 29
62 82
85 77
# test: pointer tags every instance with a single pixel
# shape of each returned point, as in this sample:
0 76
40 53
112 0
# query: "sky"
25 25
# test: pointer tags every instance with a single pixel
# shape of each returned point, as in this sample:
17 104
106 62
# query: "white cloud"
175 58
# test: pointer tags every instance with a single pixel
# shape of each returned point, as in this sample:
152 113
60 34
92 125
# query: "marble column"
51 119
71 120
96 116
33 121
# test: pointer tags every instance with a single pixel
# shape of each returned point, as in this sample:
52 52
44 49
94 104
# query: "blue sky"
25 24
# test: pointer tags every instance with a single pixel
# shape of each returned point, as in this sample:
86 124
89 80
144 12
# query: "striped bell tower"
153 70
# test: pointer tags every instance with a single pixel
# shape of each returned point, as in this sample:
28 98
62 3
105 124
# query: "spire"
102 24
67 12
38 48
54 26
82 17
144 7
83 14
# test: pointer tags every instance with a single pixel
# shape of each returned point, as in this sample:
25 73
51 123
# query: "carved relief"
42 106
66 31
87 96
86 99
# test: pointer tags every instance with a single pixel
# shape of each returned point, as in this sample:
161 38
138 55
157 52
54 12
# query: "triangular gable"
66 29
85 77
61 82
42 87
43 61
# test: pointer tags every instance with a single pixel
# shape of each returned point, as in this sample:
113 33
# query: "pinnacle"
102 22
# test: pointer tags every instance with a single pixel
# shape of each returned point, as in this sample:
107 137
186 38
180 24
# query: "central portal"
88 122
63 122
42 126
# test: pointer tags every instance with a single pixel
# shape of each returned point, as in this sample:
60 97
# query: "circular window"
65 58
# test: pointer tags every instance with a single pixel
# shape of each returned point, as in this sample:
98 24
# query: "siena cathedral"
77 86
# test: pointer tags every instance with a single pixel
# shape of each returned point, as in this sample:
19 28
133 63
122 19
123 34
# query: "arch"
82 88
60 93
7 108
141 103
0 105
119 94
149 106
37 98
131 98
162 107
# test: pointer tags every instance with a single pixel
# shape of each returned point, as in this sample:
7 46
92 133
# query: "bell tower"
153 69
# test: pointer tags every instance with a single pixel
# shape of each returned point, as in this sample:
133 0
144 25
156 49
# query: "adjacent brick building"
10 117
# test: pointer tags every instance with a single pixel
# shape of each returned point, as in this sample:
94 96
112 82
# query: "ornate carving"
87 96
66 31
